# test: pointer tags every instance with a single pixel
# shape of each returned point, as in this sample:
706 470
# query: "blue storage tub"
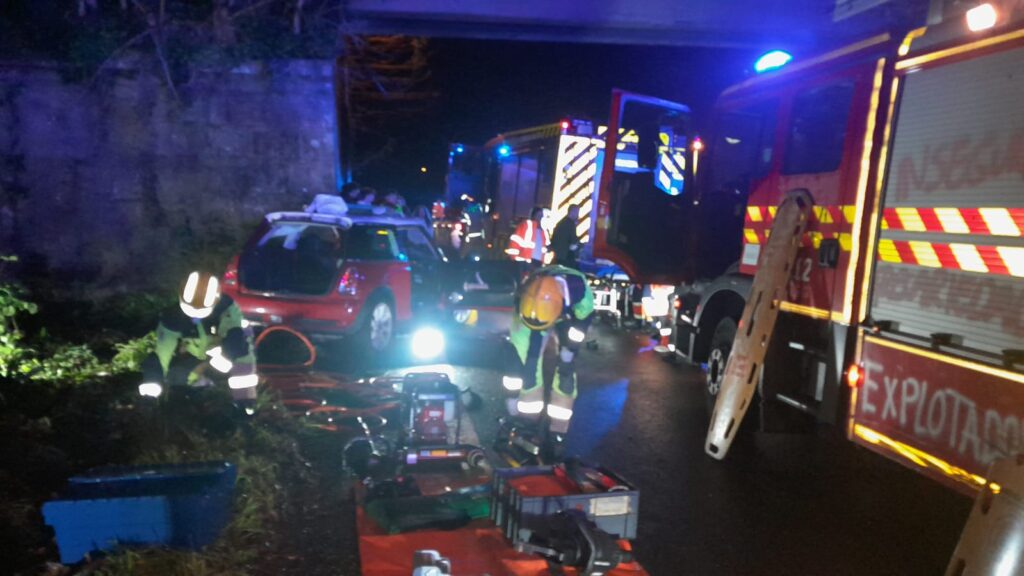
178 505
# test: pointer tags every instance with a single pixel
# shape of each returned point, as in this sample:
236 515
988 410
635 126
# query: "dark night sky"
488 87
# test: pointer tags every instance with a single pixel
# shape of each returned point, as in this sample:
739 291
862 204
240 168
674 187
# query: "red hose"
302 338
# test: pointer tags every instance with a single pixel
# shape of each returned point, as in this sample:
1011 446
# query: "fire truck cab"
804 127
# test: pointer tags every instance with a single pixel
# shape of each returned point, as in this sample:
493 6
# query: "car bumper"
314 319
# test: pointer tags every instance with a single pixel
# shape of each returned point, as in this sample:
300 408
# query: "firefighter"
558 300
203 341
565 242
530 241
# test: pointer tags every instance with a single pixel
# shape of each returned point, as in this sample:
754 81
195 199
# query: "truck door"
643 200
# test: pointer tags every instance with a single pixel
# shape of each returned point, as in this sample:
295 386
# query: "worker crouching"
203 345
553 300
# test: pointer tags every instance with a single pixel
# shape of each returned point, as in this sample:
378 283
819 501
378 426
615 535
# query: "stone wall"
116 185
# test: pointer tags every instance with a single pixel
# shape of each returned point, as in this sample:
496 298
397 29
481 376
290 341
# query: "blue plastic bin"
177 505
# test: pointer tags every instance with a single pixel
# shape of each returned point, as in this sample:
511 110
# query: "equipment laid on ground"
569 539
178 505
430 563
433 408
523 499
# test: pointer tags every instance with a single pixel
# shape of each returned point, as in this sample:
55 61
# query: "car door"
374 256
424 267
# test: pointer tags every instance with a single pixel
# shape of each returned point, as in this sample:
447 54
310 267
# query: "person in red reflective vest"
530 241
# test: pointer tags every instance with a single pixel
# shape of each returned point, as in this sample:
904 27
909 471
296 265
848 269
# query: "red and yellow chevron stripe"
982 259
827 222
979 221
1003 260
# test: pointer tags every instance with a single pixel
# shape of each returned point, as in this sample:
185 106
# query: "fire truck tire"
721 346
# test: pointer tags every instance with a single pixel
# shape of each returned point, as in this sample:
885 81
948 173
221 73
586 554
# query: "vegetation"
65 409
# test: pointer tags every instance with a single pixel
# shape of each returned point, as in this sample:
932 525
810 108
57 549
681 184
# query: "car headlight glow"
427 343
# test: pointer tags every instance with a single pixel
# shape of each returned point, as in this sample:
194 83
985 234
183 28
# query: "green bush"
13 303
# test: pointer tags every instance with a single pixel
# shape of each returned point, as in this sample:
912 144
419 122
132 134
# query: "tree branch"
118 52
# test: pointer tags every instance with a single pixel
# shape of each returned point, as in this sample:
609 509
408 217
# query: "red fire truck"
908 279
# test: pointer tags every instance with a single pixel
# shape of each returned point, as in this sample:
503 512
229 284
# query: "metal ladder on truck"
745 363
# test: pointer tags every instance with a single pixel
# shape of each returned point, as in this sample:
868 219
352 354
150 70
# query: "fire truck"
552 166
555 166
898 316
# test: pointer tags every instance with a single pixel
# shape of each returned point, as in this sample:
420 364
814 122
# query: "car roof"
345 221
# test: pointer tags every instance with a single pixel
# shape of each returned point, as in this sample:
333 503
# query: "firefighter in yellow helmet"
202 342
552 300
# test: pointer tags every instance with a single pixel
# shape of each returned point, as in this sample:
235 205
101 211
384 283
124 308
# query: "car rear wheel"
721 346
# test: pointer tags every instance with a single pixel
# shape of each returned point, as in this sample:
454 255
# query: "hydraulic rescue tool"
572 540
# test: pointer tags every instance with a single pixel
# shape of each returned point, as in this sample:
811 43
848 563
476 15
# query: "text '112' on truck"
891 172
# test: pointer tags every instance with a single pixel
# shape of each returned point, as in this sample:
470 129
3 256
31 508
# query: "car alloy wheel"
381 326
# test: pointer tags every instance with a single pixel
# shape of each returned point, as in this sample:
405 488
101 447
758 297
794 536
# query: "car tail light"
231 273
349 283
854 376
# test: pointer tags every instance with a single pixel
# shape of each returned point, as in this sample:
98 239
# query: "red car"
360 274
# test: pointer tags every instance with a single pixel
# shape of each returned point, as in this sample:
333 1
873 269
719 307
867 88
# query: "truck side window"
742 148
818 130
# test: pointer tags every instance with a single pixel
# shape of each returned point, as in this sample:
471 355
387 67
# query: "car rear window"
293 258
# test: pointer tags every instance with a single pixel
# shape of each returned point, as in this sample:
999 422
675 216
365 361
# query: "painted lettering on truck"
961 413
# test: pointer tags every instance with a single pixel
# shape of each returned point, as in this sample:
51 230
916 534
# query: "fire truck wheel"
721 346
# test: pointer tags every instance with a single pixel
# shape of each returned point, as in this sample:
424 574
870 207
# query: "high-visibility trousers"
526 380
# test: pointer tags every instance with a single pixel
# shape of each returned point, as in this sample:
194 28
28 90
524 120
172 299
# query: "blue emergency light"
459 149
772 60
504 150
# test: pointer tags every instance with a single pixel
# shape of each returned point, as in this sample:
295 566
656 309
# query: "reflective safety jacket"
219 335
522 244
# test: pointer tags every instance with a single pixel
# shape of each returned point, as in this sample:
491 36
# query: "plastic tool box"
521 499
178 505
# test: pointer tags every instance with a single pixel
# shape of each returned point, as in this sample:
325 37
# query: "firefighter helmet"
199 294
541 302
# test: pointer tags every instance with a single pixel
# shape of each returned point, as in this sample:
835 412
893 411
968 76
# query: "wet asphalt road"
779 504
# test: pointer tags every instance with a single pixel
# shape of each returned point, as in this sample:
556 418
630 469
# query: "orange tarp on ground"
472 551
477 549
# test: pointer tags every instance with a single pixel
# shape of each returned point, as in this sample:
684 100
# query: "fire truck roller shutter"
950 256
